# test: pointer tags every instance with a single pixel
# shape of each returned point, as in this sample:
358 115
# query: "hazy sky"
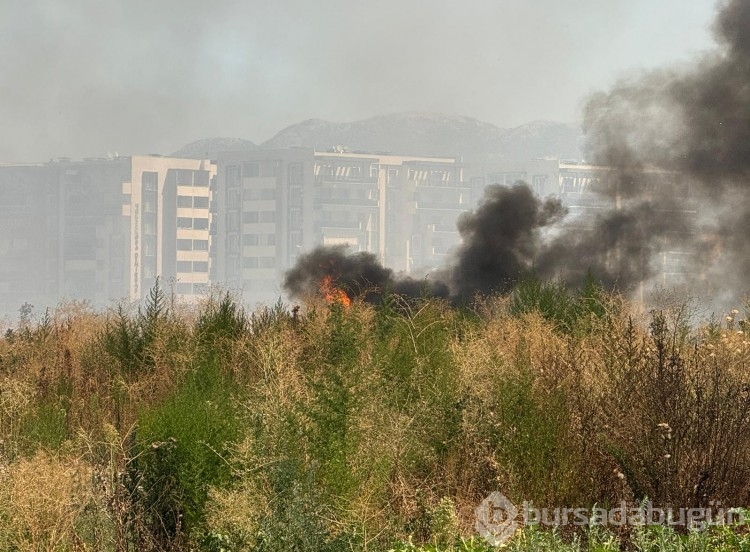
87 77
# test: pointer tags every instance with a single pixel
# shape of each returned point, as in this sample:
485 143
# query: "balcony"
320 201
322 179
343 225
438 206
449 228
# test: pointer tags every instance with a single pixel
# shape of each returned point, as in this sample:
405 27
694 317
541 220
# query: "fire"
332 294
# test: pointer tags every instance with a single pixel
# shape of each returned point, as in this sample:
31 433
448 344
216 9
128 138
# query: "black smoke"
693 121
617 248
500 240
677 141
359 275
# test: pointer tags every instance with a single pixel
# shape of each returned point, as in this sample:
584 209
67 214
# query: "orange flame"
332 294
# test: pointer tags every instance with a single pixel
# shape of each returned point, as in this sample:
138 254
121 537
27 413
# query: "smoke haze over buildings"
86 78
695 121
82 78
667 134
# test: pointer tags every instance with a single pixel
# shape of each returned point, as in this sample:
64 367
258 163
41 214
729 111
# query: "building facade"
101 230
168 204
104 229
274 205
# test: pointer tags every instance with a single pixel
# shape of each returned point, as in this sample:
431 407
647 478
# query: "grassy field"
339 428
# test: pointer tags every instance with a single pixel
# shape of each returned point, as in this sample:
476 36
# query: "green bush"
183 450
358 427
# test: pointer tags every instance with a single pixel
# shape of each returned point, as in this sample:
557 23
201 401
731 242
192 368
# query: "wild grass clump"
334 427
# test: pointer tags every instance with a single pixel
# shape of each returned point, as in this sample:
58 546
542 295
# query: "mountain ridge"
417 133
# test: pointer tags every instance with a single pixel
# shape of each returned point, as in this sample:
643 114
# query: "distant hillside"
540 139
209 147
401 133
436 134
415 133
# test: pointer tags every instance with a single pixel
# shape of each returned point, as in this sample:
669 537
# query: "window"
200 202
149 225
200 266
200 223
184 266
250 194
184 177
324 170
200 245
250 217
539 182
150 181
233 176
268 216
184 201
250 170
184 222
270 239
184 245
267 262
250 239
233 198
201 178
149 246
295 173
149 203
250 262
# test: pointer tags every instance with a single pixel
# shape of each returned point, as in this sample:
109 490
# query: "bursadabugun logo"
496 518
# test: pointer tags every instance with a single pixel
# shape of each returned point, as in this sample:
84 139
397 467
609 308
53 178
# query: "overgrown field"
366 427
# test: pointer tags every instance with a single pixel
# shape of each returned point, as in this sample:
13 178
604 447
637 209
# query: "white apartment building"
273 205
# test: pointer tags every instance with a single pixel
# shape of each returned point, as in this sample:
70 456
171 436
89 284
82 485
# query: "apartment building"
102 229
29 236
424 200
273 205
168 204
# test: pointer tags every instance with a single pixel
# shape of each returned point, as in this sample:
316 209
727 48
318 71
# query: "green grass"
368 428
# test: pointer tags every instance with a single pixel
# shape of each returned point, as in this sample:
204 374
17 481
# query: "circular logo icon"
496 518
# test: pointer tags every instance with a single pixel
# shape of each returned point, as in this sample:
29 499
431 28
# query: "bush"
356 427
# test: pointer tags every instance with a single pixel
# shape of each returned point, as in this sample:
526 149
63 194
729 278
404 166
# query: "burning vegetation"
692 122
333 294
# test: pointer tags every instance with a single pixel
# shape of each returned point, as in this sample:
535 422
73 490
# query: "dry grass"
362 424
42 501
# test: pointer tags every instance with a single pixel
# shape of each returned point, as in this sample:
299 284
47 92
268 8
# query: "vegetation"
373 428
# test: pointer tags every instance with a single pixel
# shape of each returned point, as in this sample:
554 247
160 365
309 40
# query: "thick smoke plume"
499 240
499 243
694 122
358 275
677 142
